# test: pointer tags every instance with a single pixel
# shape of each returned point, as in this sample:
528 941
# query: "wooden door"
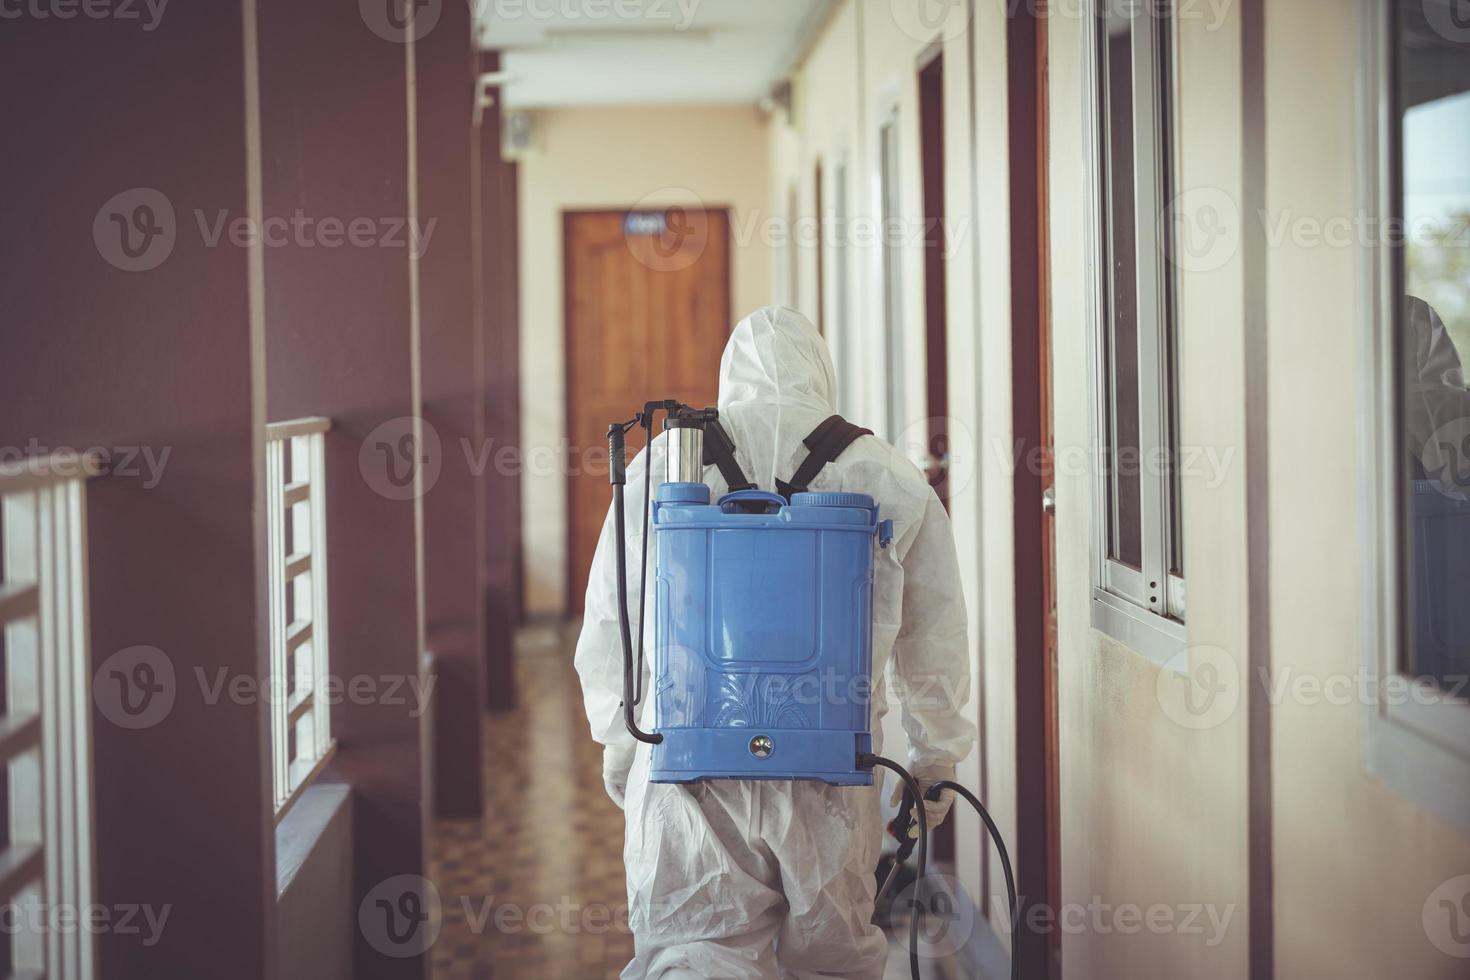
647 315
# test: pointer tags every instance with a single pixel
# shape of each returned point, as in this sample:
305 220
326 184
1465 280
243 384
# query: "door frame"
568 215
1036 755
929 81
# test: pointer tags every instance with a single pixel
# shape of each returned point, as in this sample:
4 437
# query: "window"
1419 423
1140 562
1432 107
301 738
891 212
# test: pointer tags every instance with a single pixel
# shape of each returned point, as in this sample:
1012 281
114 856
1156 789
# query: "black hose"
629 715
1005 861
867 760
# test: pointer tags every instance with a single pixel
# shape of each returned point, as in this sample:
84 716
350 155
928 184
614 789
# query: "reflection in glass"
1121 432
1433 103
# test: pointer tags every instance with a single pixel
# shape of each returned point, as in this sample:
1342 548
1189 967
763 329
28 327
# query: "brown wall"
314 929
334 119
173 359
454 404
162 359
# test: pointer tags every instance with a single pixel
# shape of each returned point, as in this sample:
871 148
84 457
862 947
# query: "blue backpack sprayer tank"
763 612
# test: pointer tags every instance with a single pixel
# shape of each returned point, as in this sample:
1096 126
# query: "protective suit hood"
775 357
777 384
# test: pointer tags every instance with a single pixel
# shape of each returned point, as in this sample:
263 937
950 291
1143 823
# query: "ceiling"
644 52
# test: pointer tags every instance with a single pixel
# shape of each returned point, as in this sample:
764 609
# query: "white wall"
716 156
992 517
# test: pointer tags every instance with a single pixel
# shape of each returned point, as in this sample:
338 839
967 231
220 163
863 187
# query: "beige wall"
1153 812
617 158
992 547
1355 861
861 71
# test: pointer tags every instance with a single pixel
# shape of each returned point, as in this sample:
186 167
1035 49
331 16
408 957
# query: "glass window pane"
1121 430
1433 106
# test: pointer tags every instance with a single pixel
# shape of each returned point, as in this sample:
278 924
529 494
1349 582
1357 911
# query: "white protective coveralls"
745 878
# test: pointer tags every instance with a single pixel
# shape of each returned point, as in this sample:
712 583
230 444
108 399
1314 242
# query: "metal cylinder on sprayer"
684 438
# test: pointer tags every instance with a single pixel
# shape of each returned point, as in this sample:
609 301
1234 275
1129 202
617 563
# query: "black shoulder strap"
720 451
827 441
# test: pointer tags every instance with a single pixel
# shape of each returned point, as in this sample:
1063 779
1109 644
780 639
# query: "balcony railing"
296 525
46 865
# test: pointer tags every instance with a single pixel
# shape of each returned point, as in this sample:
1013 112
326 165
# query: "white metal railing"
47 865
296 527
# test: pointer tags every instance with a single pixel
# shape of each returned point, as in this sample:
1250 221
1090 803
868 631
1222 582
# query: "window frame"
1420 750
1149 619
890 257
839 281
296 576
792 273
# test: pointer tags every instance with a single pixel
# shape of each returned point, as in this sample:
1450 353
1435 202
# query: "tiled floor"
535 889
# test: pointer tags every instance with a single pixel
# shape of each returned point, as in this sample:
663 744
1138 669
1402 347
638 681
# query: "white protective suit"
744 878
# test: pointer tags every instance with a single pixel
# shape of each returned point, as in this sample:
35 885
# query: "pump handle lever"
617 470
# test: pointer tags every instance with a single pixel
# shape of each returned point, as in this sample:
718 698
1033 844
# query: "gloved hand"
934 810
617 762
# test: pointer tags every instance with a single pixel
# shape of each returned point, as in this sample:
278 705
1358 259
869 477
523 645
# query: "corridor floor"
535 888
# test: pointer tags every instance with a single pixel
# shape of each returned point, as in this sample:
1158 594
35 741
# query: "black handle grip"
617 469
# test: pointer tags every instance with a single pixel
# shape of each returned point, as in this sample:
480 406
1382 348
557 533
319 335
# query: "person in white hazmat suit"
746 878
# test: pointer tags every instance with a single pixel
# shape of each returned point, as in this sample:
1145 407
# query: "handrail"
38 472
276 431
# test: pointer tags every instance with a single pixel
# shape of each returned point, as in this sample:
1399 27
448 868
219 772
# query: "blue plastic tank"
763 640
